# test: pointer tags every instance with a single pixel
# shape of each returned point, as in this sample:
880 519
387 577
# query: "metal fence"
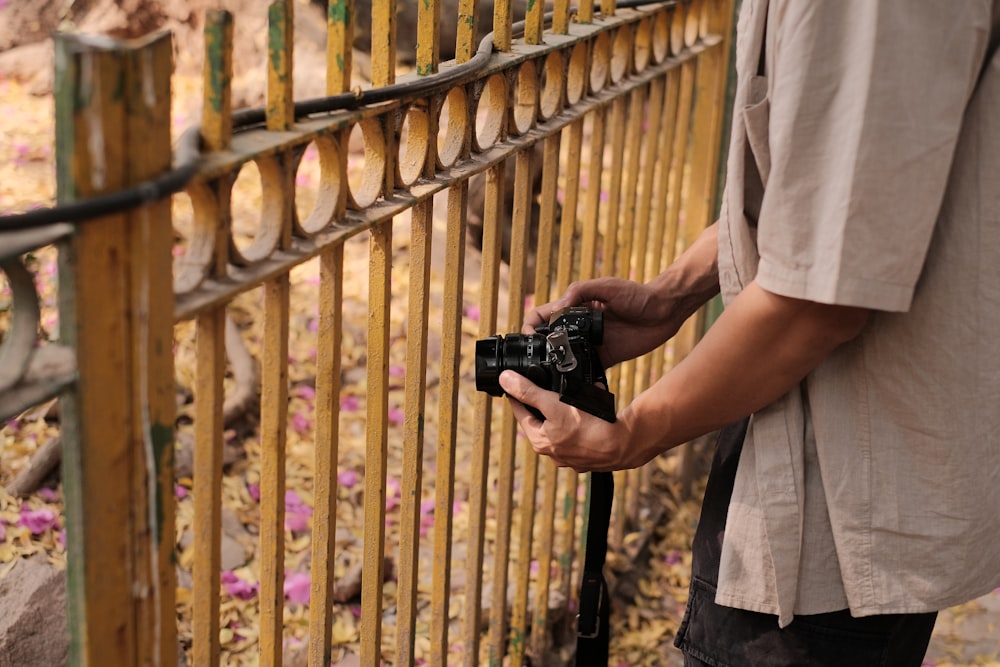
590 134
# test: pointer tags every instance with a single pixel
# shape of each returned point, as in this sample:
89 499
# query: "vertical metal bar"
505 465
339 36
644 266
608 7
610 247
585 11
489 288
592 207
280 39
568 479
428 48
216 117
207 488
210 367
447 423
274 364
328 363
502 25
383 42
560 17
625 483
660 245
273 423
94 302
549 472
413 427
529 469
610 253
465 35
150 66
534 22
380 264
324 523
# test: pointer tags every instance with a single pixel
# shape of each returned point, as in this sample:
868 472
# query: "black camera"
561 357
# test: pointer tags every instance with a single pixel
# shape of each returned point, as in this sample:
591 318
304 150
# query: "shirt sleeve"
866 101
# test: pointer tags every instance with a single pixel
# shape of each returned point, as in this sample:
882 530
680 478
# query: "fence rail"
586 142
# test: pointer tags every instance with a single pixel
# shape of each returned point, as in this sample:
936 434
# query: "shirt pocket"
756 118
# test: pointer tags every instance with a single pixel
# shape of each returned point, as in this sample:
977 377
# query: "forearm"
760 348
693 278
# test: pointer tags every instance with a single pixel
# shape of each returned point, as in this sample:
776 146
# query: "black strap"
593 631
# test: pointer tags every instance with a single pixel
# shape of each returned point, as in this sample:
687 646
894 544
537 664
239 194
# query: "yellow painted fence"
588 135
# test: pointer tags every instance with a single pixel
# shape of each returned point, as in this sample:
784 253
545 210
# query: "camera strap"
593 627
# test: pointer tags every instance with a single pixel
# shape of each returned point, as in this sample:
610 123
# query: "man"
858 253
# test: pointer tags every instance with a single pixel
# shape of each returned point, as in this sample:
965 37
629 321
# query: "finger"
523 415
540 315
527 392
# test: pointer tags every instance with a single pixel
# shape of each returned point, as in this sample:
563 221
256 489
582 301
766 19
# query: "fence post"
116 306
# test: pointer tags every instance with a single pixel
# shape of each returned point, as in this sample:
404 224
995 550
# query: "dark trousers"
717 636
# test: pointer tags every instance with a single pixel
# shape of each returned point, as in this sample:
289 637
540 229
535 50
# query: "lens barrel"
523 353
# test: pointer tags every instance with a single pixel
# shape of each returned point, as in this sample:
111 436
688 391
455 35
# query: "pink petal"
301 423
306 392
238 588
396 371
350 403
292 499
347 478
180 491
472 312
254 491
297 587
37 521
3 530
396 416
48 495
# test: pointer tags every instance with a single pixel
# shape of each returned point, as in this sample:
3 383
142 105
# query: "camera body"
561 357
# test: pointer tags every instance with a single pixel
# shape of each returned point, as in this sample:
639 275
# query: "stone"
33 628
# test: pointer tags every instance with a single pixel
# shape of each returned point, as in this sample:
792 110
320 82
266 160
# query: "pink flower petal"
254 491
306 392
472 312
350 403
397 371
48 495
347 478
241 589
3 530
297 587
180 491
301 423
397 416
37 521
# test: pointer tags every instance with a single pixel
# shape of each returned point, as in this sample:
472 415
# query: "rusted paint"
280 40
216 117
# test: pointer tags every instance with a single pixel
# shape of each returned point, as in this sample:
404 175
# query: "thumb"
523 390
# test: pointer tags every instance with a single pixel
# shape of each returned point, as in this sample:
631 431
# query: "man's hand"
640 317
571 437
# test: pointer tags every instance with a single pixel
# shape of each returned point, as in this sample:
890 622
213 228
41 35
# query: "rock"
33 629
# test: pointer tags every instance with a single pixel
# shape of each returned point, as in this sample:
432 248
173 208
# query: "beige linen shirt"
864 170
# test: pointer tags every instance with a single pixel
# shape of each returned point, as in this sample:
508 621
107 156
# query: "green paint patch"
338 12
276 36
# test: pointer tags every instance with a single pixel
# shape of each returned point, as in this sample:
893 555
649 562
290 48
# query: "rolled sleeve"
866 105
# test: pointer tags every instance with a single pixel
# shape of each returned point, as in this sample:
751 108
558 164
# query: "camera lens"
489 365
522 353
